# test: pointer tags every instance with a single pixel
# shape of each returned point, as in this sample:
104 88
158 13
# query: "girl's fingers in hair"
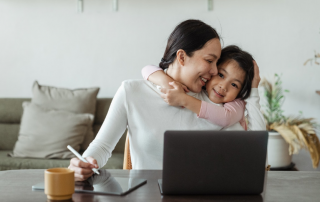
256 69
256 77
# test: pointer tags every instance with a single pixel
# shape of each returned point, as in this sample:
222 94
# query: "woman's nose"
214 70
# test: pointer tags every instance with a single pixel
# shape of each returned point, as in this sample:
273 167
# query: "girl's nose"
222 87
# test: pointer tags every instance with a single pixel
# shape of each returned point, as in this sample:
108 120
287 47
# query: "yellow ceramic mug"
59 183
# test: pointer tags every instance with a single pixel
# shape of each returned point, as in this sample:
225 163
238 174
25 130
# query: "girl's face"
226 85
201 66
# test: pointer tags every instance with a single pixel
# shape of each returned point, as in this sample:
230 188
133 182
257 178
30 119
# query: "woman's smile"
203 81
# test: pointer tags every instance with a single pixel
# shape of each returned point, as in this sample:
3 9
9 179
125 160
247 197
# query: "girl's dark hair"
190 35
245 62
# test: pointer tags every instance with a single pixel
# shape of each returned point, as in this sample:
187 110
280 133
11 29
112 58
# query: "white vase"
278 151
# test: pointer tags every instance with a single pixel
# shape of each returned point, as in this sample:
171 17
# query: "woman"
198 46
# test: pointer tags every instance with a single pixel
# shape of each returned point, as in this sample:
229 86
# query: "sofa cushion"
11 112
76 101
11 109
102 107
8 135
45 133
8 163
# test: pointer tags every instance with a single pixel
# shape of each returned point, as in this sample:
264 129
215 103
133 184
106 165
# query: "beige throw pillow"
45 133
76 101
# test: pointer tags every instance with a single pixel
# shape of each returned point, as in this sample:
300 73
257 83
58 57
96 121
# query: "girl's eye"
234 85
209 61
221 75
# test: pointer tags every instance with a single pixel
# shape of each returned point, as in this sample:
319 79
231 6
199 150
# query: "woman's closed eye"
209 61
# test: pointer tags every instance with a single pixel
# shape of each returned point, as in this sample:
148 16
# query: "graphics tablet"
104 183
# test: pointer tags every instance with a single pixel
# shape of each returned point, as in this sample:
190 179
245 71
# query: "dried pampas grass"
298 132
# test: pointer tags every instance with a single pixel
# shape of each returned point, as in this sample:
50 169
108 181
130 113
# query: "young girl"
229 87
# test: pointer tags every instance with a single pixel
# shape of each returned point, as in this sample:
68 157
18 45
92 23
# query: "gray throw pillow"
76 101
45 133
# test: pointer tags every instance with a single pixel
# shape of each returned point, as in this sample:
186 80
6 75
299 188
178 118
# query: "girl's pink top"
226 115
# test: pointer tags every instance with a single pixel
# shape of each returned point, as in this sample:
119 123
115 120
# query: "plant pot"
278 151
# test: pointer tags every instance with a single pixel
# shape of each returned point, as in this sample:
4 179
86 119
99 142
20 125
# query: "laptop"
214 162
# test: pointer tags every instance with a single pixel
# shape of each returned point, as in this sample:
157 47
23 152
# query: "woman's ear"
181 57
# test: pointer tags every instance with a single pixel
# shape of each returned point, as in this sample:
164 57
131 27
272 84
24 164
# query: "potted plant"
287 135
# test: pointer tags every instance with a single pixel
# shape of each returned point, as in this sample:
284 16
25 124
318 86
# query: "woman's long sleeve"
254 116
111 130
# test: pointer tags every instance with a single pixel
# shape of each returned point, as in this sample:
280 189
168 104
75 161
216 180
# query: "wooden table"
281 186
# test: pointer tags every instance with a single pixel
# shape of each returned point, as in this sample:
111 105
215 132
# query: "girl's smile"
218 94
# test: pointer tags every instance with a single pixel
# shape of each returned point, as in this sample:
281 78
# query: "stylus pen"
81 158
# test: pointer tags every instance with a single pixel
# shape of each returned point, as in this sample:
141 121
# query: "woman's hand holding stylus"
82 170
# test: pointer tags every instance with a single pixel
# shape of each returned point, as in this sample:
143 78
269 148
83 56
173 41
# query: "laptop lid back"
214 162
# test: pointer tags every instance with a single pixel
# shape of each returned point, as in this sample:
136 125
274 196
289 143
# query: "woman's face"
201 66
226 85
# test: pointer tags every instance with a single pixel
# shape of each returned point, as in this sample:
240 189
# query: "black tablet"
104 183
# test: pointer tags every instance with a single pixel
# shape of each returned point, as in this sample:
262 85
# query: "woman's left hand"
175 96
256 77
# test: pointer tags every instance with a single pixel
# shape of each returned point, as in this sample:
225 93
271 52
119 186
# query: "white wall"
48 41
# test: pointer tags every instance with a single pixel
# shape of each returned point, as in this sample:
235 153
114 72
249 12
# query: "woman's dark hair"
245 62
190 35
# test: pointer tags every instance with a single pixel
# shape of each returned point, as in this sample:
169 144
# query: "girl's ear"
181 57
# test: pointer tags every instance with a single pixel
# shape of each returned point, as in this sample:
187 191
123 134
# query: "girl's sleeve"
254 116
148 70
111 130
229 114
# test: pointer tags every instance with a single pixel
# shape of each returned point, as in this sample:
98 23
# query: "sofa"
10 116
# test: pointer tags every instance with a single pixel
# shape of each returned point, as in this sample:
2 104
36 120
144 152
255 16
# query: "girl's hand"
185 88
175 96
170 86
256 78
82 170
